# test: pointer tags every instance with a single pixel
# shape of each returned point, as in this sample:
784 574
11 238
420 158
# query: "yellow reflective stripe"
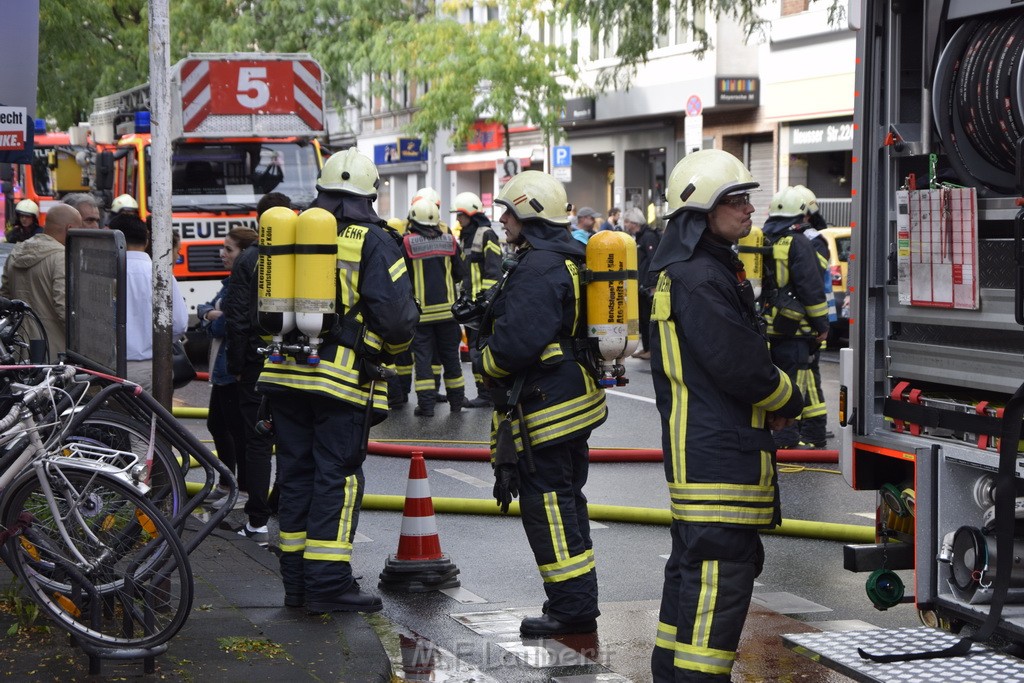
293 541
814 404
705 614
397 270
574 273
455 382
492 246
568 418
490 367
737 493
418 281
404 369
723 514
436 313
395 349
569 568
672 364
328 551
703 659
424 384
373 340
666 637
780 254
559 545
350 252
336 380
817 310
475 279
436 368
780 397
550 351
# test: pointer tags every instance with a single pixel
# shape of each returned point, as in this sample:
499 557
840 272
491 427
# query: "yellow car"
838 240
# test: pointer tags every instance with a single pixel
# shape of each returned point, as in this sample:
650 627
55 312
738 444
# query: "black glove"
506 485
506 471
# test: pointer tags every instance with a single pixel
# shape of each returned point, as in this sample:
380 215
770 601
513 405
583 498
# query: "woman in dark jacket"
225 420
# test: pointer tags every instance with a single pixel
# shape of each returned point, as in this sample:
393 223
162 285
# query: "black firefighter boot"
482 400
456 399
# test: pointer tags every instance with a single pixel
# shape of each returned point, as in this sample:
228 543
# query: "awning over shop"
484 161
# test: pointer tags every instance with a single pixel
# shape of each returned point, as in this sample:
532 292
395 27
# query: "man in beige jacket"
34 273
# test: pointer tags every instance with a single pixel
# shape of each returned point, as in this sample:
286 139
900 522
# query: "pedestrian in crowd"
88 206
139 301
613 219
546 402
586 219
176 247
718 394
245 362
646 242
34 273
321 412
795 308
26 222
225 420
434 261
482 255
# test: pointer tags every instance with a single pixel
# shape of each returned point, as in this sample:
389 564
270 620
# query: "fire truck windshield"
239 173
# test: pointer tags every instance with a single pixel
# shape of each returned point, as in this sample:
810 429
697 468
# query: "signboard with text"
19 34
827 136
738 90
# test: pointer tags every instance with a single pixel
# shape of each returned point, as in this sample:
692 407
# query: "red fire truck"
243 125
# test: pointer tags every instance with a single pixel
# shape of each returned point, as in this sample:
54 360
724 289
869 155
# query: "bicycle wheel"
124 433
119 578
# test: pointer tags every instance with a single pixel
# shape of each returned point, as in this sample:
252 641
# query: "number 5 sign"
262 85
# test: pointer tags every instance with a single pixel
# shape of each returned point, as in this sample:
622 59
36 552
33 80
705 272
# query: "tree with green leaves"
495 71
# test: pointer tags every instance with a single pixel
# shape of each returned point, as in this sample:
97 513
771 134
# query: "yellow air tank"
613 309
316 276
275 303
751 249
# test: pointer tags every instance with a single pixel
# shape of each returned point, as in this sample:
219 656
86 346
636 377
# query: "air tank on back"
316 257
275 300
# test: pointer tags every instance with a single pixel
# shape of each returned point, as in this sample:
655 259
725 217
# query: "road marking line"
868 515
464 596
465 478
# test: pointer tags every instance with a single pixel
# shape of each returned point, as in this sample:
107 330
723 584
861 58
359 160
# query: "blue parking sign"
561 156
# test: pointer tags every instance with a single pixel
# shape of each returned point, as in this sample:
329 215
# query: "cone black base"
419 576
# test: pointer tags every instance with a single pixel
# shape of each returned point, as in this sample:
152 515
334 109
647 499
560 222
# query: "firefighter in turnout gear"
322 412
718 394
482 255
795 306
814 420
546 402
435 264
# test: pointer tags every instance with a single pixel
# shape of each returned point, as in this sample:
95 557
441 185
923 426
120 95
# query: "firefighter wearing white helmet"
321 413
529 358
435 263
482 255
718 394
26 221
795 307
124 203
814 421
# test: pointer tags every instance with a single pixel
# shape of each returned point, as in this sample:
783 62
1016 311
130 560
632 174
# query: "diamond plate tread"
838 650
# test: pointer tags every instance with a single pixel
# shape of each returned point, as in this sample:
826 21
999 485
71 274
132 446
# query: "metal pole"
160 198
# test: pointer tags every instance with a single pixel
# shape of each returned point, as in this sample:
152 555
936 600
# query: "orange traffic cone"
419 565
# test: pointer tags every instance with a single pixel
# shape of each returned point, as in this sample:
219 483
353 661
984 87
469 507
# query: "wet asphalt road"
497 571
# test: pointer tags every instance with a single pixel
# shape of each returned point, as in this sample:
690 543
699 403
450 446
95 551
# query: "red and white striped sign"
251 86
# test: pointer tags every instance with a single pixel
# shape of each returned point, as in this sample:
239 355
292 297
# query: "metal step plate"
838 650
